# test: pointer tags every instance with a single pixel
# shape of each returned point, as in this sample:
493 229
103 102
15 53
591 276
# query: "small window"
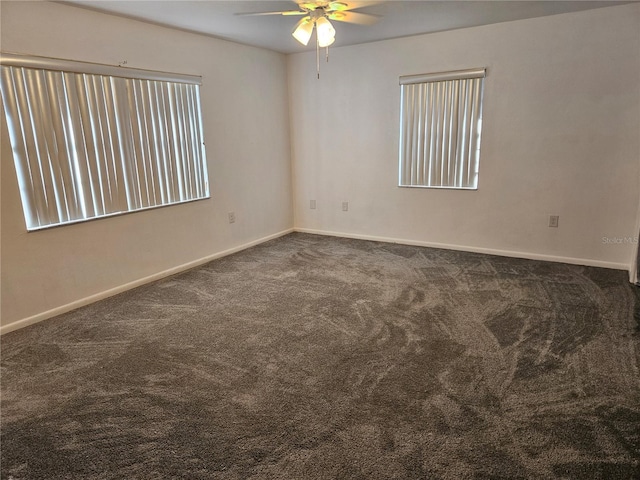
440 127
92 140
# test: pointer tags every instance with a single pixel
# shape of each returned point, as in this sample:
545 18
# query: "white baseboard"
502 253
180 268
128 286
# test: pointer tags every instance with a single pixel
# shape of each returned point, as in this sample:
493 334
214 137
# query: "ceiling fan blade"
338 6
309 5
354 17
256 14
342 5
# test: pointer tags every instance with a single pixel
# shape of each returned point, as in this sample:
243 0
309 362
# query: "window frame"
424 110
185 162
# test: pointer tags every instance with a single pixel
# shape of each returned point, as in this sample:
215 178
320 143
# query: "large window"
93 140
440 127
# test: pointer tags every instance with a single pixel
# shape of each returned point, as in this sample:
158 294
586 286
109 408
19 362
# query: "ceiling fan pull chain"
317 54
327 53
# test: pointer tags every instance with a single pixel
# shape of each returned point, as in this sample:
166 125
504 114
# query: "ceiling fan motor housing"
317 13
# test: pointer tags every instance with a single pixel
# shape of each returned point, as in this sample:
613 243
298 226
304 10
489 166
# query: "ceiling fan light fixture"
303 30
325 32
326 43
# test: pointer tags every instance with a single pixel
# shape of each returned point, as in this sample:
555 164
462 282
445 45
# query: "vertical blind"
440 128
88 145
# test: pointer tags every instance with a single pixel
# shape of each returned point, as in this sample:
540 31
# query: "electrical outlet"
232 217
554 220
312 204
345 206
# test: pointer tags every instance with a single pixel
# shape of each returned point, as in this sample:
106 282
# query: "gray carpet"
313 357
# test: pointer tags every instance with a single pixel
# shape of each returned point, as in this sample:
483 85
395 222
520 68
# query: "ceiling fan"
317 15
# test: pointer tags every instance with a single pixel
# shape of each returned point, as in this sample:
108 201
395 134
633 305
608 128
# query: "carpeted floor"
313 357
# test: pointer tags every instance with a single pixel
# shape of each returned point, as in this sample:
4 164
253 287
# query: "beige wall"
561 123
560 136
244 101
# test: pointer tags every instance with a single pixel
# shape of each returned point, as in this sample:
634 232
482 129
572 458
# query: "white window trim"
64 65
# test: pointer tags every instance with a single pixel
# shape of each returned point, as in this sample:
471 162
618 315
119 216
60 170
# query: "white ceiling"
398 18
